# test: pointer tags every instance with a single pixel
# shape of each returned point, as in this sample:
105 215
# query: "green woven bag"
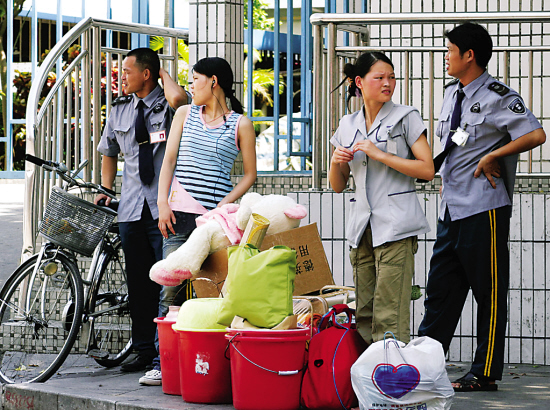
259 285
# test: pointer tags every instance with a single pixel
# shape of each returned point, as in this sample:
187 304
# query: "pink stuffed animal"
222 227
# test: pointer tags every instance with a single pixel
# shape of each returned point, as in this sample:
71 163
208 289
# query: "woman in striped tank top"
204 140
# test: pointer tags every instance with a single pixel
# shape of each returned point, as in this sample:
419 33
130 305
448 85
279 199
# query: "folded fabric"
225 216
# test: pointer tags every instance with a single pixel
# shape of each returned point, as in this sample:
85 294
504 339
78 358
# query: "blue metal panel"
8 128
265 41
289 76
140 14
34 39
306 78
281 43
171 22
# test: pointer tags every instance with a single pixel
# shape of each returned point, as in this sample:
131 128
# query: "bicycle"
46 302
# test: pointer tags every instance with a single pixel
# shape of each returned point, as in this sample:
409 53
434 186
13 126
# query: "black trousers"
142 245
471 253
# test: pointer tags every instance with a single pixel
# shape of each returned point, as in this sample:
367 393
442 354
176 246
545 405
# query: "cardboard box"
312 268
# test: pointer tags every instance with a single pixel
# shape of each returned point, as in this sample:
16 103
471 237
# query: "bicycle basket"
73 223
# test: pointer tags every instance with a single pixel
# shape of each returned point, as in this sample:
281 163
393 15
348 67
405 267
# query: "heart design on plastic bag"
395 382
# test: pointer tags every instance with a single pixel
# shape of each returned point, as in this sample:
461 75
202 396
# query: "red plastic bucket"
205 372
266 368
169 356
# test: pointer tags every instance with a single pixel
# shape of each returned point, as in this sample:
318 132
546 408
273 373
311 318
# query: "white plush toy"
222 227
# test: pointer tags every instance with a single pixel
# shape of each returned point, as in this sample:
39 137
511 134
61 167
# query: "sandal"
471 382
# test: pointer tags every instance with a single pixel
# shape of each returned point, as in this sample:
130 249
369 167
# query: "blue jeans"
175 295
142 245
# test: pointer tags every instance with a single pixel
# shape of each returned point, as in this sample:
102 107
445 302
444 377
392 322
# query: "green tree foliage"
259 16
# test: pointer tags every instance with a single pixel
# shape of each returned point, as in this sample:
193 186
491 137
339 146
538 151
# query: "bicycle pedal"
98 354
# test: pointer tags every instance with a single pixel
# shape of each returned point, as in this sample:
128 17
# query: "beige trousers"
383 279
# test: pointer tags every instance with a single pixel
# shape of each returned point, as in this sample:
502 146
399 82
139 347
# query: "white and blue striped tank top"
206 155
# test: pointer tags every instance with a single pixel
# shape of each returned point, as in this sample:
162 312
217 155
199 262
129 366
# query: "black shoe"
140 363
470 382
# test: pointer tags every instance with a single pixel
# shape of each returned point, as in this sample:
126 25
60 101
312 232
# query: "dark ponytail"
235 103
219 67
362 66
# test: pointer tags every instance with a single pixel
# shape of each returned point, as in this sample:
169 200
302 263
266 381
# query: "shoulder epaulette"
158 108
122 100
498 88
451 83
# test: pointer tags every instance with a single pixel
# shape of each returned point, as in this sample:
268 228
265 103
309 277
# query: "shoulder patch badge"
499 88
475 108
122 100
158 108
517 106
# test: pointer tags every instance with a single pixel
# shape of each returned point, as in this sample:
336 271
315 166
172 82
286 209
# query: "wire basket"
73 223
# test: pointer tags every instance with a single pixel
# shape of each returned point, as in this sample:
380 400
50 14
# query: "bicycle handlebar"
62 170
43 163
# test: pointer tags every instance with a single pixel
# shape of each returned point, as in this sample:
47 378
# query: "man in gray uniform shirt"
138 127
483 127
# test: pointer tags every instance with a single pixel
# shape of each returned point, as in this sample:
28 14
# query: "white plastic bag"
412 376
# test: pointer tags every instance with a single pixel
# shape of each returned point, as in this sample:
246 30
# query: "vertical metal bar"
332 64
407 79
431 103
77 115
171 23
530 104
48 147
96 115
61 125
317 147
109 75
68 144
289 76
341 91
8 127
306 79
250 61
323 100
174 53
86 106
57 150
276 73
506 73
34 39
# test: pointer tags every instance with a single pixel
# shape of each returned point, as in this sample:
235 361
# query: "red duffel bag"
332 352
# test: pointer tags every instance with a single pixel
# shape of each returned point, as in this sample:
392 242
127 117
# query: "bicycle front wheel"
110 312
40 316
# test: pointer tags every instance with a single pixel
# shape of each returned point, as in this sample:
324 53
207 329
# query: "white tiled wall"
528 334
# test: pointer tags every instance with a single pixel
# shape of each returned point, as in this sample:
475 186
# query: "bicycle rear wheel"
40 316
110 312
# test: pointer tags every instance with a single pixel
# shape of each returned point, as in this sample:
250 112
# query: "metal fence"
415 43
66 125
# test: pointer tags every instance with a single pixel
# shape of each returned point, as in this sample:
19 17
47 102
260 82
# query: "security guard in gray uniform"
483 127
138 127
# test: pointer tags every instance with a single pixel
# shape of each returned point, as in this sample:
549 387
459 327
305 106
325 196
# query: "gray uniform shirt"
383 196
119 137
492 115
